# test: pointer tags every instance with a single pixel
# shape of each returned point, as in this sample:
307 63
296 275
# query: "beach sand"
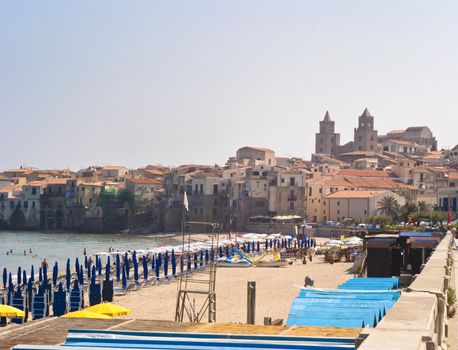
275 291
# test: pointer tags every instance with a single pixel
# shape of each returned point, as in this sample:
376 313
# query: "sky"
178 82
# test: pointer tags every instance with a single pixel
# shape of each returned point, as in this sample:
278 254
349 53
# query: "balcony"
292 198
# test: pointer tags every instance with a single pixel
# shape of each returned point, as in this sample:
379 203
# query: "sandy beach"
276 288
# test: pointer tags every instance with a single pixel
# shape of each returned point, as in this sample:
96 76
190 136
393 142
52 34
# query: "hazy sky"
172 82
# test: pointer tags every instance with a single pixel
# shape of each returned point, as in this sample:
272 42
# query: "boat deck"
53 331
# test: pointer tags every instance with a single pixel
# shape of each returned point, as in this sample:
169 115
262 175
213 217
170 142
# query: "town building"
327 138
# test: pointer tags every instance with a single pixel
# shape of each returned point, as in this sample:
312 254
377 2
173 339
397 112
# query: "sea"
58 246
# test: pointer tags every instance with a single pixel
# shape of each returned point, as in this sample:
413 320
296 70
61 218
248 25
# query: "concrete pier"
419 318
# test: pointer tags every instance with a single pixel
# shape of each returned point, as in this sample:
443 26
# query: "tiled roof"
145 181
354 194
362 173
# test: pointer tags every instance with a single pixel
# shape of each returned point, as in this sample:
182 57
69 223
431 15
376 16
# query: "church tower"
326 139
365 135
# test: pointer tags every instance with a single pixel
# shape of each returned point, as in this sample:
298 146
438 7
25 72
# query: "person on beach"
30 251
25 252
84 252
90 261
44 264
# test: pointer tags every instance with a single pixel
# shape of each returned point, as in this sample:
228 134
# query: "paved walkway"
453 322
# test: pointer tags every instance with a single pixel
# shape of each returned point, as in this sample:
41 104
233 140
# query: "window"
215 189
338 211
33 205
34 190
215 202
360 148
292 181
12 205
201 189
197 189
256 173
338 203
26 204
59 190
291 205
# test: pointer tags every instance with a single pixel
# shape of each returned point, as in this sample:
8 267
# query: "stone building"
327 138
255 155
365 135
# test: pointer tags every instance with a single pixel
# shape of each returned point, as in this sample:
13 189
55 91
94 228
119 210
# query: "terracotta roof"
263 149
145 181
453 176
153 172
401 142
10 189
113 167
355 194
362 173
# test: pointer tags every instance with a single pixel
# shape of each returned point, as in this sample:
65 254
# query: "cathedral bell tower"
326 139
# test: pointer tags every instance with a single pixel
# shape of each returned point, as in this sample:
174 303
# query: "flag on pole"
185 201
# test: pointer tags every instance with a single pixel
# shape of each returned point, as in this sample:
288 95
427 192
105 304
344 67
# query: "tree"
408 210
388 206
424 206
438 217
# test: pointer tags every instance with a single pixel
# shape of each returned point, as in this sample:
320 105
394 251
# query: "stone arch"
59 219
17 219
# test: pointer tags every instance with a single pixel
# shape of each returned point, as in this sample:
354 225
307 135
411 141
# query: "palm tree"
388 206
407 211
424 206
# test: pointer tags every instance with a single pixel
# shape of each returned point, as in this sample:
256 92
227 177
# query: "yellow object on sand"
109 309
9 311
84 314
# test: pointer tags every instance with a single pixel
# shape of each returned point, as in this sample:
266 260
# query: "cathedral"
327 141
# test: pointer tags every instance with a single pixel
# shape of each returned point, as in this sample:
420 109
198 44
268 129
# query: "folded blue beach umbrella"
77 265
40 275
159 260
88 271
124 277
118 268
174 264
55 271
201 262
181 264
108 269
5 277
81 276
45 276
24 277
32 273
93 273
86 262
10 282
188 264
99 268
127 266
195 261
206 256
68 275
226 248
135 270
145 268
19 276
153 258
220 251
156 269
166 264
212 255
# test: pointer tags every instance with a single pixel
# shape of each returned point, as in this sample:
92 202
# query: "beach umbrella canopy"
77 265
10 311
118 267
145 268
32 273
124 278
166 264
24 277
156 269
55 272
127 266
99 268
68 275
93 275
109 309
85 314
174 263
108 269
19 276
5 277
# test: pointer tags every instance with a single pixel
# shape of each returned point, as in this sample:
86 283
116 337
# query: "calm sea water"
55 246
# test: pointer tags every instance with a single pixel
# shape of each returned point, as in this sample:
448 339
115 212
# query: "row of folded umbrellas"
103 310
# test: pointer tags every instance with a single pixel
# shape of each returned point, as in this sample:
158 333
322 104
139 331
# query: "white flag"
185 201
